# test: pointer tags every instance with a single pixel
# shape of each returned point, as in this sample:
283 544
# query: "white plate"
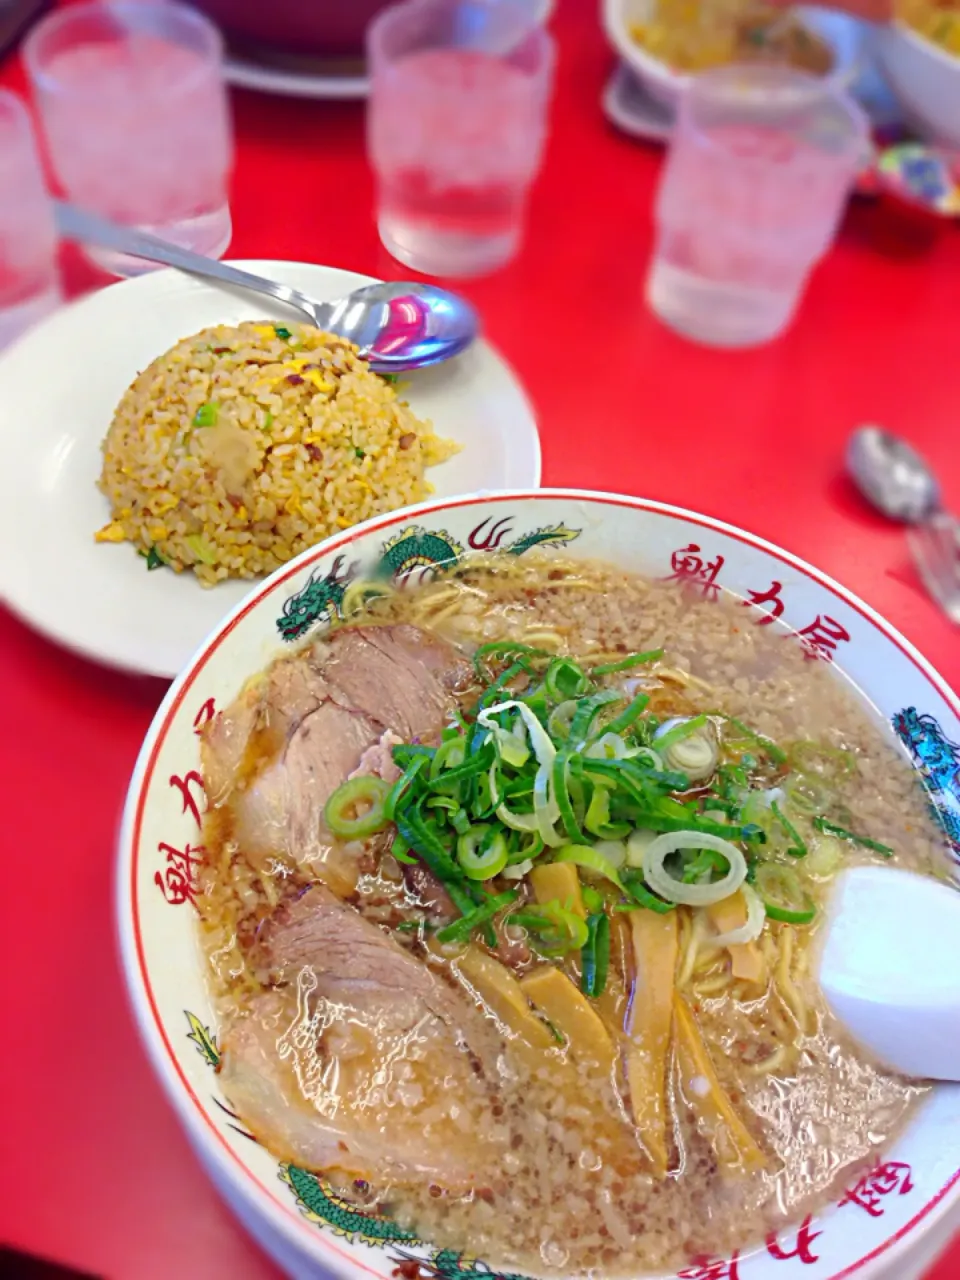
627 104
262 78
59 387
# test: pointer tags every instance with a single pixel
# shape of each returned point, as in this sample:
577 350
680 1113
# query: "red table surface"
95 1169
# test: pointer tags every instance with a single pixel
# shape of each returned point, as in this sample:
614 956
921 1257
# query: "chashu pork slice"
366 1063
278 752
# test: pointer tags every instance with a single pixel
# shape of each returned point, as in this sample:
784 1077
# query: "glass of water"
760 167
29 279
136 119
456 127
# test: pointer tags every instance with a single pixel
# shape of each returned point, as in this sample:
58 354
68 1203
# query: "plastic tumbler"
136 120
456 129
760 167
29 279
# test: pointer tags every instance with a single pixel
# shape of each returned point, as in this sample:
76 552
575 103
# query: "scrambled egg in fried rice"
242 446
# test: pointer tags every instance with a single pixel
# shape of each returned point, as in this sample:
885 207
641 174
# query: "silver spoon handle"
88 228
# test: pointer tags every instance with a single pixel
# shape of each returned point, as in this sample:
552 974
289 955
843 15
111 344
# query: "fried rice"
242 446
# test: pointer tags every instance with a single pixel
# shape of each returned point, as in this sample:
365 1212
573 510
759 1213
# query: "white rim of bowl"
636 56
920 41
286 1219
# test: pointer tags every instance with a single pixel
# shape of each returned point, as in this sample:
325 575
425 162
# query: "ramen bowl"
925 78
665 84
884 1223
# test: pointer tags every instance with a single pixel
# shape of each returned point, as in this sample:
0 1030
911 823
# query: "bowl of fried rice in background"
665 84
294 1214
926 79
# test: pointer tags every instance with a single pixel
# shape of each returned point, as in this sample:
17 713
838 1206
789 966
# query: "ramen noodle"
510 893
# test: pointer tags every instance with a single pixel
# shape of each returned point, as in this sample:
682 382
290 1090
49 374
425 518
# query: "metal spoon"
897 481
396 325
892 476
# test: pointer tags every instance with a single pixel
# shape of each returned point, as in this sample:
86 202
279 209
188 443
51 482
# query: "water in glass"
456 137
29 280
759 171
135 116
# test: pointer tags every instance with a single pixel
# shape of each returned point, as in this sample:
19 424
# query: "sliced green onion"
461 929
282 332
675 731
611 746
206 415
428 845
770 749
825 857
560 719
597 818
595 955
649 757
528 846
153 558
414 926
558 928
545 806
756 810
505 649
401 851
592 898
448 755
357 808
446 803
623 664
700 868
494 690
635 888
476 763
405 754
615 852
517 870
692 895
797 847
782 894
831 829
808 793
590 859
526 822
829 764
626 717
512 744
460 821
482 852
586 713
403 784
564 679
561 791
543 748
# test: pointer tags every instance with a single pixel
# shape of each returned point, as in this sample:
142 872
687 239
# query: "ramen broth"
521 1136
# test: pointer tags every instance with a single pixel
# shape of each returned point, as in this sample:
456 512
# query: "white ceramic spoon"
888 964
